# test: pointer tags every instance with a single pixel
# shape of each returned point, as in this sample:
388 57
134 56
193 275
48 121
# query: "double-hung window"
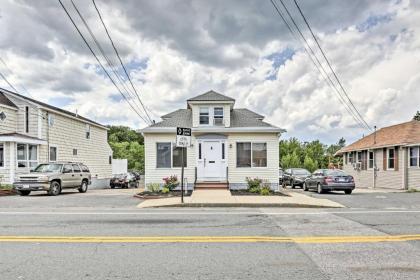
27 155
218 116
204 116
53 153
168 156
371 159
391 158
1 155
350 155
250 154
414 157
88 131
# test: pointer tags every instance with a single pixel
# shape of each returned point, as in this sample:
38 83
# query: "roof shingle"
211 96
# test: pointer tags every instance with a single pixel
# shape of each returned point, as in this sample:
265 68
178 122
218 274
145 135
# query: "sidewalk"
223 198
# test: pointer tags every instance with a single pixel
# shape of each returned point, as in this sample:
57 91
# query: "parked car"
125 180
281 173
137 174
295 177
53 178
330 180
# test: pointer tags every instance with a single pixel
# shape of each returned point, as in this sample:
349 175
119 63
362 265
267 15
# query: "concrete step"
212 185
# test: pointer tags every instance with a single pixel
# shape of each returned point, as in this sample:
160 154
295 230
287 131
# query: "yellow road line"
210 239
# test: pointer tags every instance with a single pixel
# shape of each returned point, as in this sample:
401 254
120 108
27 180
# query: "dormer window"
218 116
204 115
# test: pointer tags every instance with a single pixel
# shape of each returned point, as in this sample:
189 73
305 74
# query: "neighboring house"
33 132
228 144
387 158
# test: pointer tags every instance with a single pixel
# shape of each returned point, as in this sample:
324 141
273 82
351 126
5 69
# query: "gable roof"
238 118
211 96
50 107
6 101
396 135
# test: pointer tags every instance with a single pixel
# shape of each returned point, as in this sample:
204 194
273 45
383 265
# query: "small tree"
417 116
310 164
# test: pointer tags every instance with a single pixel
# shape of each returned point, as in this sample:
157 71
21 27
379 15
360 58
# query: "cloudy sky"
176 49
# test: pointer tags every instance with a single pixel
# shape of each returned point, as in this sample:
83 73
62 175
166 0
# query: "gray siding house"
32 132
228 144
387 158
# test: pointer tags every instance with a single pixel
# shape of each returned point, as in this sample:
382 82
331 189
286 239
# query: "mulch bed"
245 192
7 192
153 195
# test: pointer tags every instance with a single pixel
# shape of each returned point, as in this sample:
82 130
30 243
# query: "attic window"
204 115
218 116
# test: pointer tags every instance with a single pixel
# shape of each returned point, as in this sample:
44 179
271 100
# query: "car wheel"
83 187
55 188
348 191
112 186
319 188
305 187
283 184
292 184
24 193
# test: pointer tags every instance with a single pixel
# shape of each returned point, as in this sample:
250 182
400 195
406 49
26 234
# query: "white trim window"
251 154
169 156
390 158
371 159
53 153
218 116
27 155
350 159
87 131
414 157
1 155
204 116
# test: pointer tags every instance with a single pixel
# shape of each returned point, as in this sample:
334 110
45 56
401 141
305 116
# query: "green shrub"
165 190
254 190
153 187
253 183
265 191
171 182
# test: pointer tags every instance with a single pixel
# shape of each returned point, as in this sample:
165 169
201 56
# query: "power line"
317 64
119 58
11 72
5 79
110 63
97 59
329 64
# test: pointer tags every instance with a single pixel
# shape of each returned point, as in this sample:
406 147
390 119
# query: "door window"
76 168
67 168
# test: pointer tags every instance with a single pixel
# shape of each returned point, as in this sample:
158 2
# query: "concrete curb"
247 205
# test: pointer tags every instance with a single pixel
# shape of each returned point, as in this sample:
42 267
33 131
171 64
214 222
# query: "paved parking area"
239 255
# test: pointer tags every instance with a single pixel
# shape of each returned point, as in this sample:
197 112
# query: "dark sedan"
295 177
330 180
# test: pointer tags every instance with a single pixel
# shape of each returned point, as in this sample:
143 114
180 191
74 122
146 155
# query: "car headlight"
43 179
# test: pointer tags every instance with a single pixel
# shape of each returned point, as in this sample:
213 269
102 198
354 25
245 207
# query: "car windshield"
301 172
43 168
334 172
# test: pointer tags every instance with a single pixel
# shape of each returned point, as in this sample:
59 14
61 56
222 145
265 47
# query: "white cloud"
223 46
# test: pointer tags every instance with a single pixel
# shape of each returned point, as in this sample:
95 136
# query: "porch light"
230 146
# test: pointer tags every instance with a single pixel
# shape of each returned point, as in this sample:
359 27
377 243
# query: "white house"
228 144
33 132
387 158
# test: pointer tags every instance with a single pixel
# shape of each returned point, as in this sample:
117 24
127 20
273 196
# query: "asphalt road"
181 252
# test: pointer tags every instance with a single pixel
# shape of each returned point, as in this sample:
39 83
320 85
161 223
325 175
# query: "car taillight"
352 179
328 179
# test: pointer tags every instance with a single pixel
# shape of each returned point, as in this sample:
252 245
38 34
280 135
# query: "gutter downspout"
405 168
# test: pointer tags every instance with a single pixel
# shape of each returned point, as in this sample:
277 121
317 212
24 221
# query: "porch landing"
223 185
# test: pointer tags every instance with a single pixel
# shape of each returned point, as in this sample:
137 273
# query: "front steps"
204 185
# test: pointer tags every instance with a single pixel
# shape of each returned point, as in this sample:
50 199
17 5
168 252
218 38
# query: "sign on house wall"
183 137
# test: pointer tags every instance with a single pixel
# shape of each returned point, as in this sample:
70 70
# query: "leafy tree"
417 116
129 144
290 161
310 164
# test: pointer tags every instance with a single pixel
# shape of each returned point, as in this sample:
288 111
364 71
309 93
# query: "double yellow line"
210 239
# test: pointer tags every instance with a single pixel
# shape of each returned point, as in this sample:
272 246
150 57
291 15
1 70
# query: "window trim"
3 145
172 156
410 157
369 159
208 116
49 153
27 160
218 116
88 133
388 158
252 142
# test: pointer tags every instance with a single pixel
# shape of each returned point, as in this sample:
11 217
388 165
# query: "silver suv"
53 177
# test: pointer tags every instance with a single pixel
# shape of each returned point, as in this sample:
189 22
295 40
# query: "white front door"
212 165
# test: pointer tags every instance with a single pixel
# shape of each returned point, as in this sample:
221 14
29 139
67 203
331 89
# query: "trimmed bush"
153 187
165 190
